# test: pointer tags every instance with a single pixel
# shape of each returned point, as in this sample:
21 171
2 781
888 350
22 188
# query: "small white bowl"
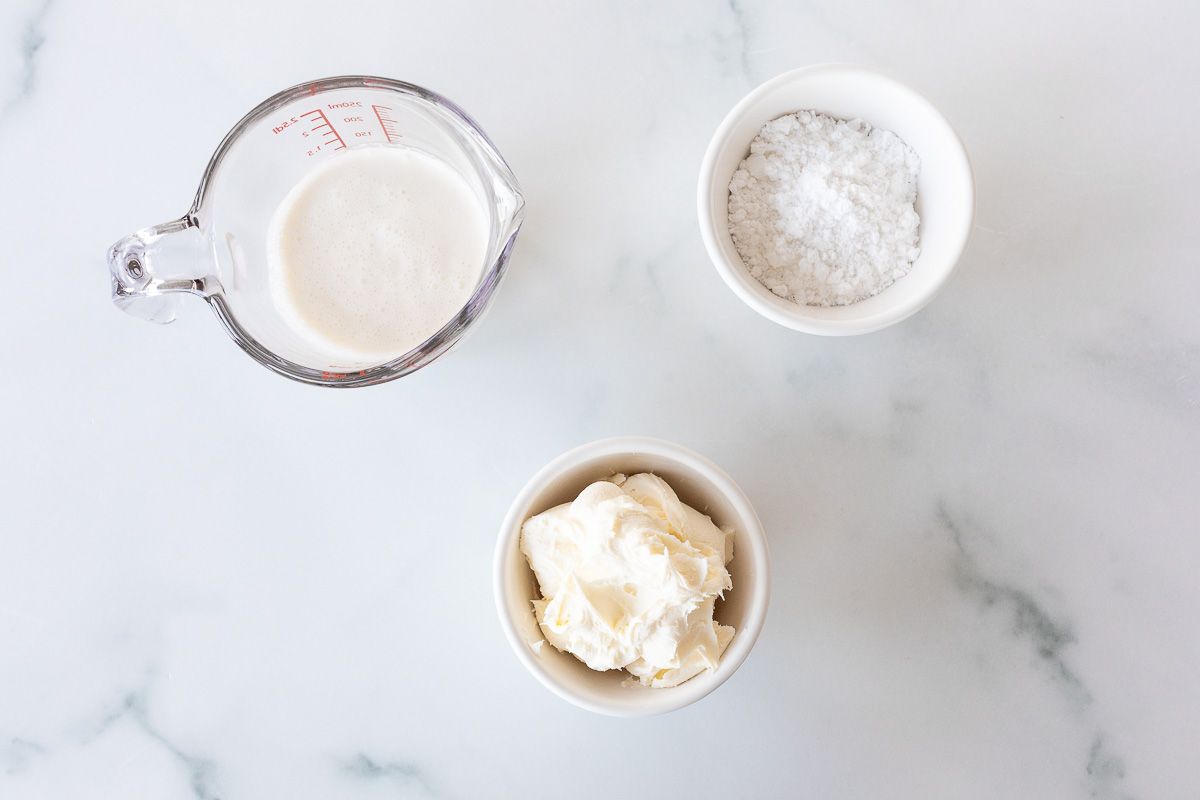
700 484
945 190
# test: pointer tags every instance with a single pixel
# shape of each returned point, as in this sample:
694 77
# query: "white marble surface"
216 583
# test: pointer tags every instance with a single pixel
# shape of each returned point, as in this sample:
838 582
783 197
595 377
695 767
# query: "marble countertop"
216 583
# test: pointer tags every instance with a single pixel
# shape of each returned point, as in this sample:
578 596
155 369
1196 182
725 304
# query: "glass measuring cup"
218 249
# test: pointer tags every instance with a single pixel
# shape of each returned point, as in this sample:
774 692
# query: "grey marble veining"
406 778
1049 637
32 38
1028 620
741 39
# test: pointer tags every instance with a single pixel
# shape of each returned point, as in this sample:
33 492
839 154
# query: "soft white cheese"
629 576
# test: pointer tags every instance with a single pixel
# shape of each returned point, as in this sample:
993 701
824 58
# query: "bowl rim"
752 538
735 275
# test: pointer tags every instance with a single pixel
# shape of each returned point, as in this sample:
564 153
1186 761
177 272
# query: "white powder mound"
821 211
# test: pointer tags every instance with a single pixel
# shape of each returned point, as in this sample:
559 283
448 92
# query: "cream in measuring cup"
375 250
346 232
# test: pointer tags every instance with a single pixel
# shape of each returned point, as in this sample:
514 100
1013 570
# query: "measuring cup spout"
151 268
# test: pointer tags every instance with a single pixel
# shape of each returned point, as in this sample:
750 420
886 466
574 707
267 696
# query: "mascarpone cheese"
629 576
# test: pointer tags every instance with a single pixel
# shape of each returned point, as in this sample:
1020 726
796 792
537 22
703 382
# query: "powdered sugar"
821 211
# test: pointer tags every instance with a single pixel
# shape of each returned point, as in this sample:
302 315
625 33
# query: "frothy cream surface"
375 250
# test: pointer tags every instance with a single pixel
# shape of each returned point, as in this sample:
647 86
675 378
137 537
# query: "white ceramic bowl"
700 484
945 190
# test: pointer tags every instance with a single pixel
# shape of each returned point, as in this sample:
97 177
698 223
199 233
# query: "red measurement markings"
387 123
324 129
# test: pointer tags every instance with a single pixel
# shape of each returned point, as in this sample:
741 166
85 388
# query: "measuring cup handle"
151 268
